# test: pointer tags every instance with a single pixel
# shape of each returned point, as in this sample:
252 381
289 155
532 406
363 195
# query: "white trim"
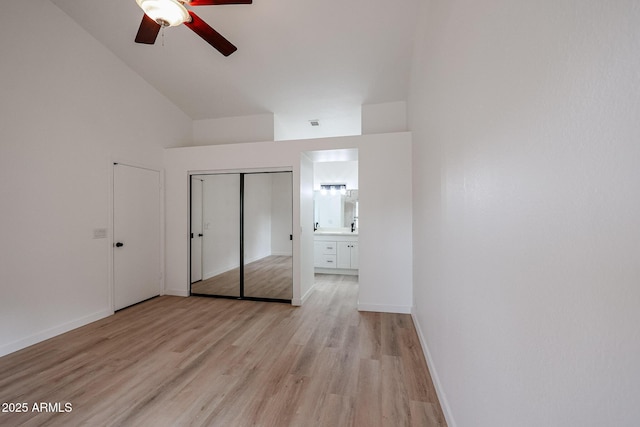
52 332
301 301
110 235
442 397
176 292
162 208
384 308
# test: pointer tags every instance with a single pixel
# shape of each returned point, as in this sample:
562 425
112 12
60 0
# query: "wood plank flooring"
194 361
269 277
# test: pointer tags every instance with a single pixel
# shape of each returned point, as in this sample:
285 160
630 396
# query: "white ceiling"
309 57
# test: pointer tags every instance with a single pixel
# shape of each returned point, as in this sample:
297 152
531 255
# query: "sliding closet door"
221 236
267 230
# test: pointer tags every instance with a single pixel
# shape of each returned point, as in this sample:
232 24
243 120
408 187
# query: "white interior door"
136 231
196 229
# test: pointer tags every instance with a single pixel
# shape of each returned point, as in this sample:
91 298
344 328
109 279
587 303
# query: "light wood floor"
175 361
269 277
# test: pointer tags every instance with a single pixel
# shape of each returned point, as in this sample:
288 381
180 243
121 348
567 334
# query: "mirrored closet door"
244 249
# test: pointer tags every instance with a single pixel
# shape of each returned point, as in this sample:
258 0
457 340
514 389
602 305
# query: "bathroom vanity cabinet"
336 253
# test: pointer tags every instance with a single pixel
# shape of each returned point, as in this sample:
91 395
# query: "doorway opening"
241 235
336 213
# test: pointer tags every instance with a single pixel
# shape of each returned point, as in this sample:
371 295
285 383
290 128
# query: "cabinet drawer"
326 248
326 261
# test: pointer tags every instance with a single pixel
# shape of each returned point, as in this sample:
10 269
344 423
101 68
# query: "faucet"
353 227
315 227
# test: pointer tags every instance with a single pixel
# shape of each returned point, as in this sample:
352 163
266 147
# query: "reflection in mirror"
241 241
220 238
268 215
336 211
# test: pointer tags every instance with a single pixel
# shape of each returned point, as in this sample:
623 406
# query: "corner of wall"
384 118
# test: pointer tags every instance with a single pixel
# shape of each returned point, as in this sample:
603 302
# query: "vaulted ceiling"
294 56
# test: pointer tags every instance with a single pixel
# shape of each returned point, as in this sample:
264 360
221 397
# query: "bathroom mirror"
335 210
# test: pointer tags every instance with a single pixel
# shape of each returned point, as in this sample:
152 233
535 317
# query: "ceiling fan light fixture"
168 13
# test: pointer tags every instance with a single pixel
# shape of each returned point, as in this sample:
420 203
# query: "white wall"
306 247
257 217
221 219
384 118
268 217
526 206
68 109
336 173
384 242
232 130
340 121
385 266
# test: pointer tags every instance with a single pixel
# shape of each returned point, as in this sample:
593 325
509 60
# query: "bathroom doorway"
336 212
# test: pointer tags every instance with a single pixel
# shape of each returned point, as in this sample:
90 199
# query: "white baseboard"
300 301
176 292
384 308
442 397
52 332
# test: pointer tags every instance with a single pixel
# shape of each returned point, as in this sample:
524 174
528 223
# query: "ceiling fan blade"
216 2
210 35
148 31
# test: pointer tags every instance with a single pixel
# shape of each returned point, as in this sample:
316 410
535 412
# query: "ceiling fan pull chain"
163 36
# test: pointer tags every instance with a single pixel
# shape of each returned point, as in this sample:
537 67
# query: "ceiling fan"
171 13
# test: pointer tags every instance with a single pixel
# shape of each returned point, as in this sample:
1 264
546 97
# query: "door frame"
191 232
111 223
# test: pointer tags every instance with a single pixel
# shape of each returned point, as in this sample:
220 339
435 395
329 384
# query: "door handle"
119 245
200 234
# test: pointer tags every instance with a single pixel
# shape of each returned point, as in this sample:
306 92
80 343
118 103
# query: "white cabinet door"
348 255
354 256
344 255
